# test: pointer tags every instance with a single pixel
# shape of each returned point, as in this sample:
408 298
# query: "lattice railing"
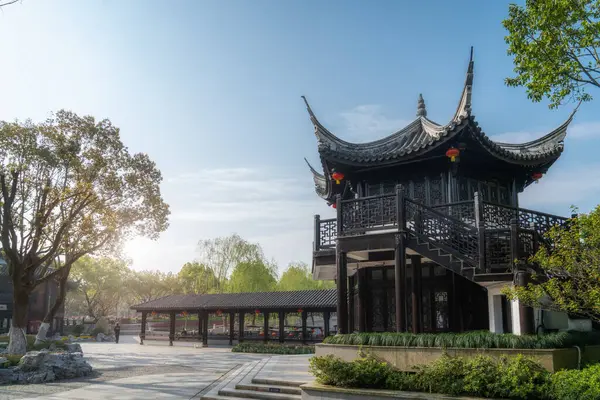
368 214
462 210
497 216
451 234
327 233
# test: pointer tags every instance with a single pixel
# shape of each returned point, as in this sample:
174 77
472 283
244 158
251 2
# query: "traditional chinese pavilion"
428 227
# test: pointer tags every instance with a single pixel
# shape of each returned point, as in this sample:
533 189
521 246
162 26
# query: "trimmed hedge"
272 348
483 376
477 340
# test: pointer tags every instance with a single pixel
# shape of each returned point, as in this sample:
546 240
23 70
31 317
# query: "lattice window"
494 193
426 309
503 195
419 192
441 311
391 301
377 310
436 191
463 189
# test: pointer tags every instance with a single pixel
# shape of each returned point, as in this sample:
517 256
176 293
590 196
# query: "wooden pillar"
304 316
172 328
415 262
342 293
281 325
241 326
205 328
326 316
351 280
526 319
143 328
200 326
317 242
231 327
399 275
266 326
362 286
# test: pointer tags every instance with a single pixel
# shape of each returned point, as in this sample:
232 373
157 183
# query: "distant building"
40 301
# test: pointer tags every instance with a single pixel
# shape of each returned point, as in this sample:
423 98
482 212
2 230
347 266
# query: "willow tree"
69 187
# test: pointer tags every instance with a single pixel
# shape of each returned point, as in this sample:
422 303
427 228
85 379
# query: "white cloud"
368 122
583 130
273 207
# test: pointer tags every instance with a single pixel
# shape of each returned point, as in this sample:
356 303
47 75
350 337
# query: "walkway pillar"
172 328
143 328
231 327
281 325
361 278
415 262
304 332
400 269
526 319
200 326
326 316
266 326
342 293
351 305
205 328
241 326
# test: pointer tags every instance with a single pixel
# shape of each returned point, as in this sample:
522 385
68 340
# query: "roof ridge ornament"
421 109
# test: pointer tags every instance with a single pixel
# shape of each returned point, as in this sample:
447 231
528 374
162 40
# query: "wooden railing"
487 234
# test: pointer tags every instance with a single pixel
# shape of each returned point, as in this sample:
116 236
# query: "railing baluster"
317 242
480 222
338 207
400 208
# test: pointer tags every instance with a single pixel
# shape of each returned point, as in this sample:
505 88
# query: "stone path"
129 371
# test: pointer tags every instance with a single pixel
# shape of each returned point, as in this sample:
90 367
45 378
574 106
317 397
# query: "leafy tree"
197 278
223 254
298 277
556 47
68 187
150 285
569 270
101 281
253 276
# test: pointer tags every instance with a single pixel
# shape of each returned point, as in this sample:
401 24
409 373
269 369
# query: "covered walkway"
264 316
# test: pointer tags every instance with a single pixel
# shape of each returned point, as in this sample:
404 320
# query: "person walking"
117 332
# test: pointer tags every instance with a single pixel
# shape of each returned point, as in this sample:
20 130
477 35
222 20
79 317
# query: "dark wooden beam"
205 315
351 304
326 316
266 326
200 325
342 293
399 280
304 332
281 325
241 326
143 329
171 328
361 275
526 319
415 261
231 327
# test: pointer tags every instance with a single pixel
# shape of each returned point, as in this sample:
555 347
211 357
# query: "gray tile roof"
305 299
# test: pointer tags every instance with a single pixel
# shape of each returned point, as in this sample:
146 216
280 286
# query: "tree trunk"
17 339
51 313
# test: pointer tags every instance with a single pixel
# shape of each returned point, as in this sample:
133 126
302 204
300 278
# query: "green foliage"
577 384
248 347
197 278
298 277
476 339
556 47
78 330
13 359
254 276
96 331
569 269
509 378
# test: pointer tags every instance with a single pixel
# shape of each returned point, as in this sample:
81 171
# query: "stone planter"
405 358
315 391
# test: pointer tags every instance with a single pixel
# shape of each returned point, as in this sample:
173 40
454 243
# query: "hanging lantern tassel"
452 153
337 177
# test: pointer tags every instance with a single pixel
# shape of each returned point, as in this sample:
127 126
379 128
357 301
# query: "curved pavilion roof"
423 135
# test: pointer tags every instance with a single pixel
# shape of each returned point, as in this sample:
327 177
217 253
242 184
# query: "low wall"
405 358
315 391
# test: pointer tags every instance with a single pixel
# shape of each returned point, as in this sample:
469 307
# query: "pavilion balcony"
486 235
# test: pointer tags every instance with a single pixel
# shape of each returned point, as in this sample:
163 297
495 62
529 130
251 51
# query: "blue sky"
211 90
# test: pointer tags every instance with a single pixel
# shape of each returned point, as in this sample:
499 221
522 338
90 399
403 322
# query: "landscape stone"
44 366
74 348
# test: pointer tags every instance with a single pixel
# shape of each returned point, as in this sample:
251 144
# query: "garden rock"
44 366
73 348
3 361
100 337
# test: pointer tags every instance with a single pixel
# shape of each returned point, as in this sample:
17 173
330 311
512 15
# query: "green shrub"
96 331
271 348
577 384
476 339
445 375
78 330
13 359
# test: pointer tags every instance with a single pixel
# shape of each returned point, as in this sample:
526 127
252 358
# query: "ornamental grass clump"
471 340
271 348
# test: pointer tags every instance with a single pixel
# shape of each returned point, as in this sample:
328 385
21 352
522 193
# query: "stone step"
277 382
269 388
251 394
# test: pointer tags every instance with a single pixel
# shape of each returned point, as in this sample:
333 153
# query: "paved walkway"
128 371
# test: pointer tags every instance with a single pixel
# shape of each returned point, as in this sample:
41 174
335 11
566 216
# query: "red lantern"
256 312
334 205
219 312
452 153
300 310
536 176
337 177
